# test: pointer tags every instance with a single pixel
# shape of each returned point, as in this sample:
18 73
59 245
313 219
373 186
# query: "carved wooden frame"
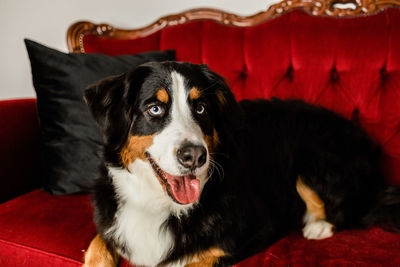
78 30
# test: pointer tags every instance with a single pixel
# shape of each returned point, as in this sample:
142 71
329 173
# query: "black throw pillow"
70 139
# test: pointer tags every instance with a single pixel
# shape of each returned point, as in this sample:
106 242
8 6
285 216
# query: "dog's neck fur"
140 221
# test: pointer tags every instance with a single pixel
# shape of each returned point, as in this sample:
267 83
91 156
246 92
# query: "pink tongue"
185 189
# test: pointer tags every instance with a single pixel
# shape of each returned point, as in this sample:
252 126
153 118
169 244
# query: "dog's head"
166 117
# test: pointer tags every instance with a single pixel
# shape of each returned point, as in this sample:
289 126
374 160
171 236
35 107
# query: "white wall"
46 21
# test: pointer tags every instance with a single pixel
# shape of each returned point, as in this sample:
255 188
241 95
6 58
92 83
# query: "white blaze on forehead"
182 127
181 113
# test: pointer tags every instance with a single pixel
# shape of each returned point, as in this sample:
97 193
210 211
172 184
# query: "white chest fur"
142 233
142 211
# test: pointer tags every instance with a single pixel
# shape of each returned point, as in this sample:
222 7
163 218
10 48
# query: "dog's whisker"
210 86
215 165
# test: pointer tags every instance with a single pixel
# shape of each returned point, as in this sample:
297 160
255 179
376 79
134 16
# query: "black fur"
264 147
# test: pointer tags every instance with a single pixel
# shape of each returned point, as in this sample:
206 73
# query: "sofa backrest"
350 65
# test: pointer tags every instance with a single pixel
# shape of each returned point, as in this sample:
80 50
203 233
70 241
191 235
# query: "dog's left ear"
110 102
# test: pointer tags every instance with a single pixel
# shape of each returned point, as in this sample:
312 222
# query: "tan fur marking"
194 93
98 255
216 138
135 148
162 95
221 98
206 258
314 204
212 141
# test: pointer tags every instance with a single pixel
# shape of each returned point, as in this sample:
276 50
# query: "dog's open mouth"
182 189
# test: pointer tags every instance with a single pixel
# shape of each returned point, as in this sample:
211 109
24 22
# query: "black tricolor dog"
191 177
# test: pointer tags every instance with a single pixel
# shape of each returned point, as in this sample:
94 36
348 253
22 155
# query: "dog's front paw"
319 229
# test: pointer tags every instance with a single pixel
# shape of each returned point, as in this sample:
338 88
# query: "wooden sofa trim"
330 8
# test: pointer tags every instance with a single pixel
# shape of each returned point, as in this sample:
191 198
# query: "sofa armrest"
19 147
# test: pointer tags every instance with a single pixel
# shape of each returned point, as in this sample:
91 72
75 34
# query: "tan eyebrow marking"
194 93
162 95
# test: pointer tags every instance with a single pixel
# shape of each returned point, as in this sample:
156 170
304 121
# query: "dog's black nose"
191 156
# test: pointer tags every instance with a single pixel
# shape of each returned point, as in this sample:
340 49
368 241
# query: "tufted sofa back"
349 65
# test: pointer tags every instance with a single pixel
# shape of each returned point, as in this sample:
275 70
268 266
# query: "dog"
191 177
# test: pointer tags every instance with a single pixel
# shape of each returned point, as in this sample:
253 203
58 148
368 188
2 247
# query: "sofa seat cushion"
371 247
38 229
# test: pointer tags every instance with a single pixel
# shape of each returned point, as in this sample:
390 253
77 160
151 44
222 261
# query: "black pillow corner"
70 140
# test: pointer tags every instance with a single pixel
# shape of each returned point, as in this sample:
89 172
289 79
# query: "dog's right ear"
110 102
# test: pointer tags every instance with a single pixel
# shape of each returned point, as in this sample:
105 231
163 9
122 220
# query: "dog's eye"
156 111
200 109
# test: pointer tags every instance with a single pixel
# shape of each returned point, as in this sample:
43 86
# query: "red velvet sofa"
297 49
